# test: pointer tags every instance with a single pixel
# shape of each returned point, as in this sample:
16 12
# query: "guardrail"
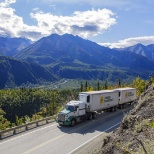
18 129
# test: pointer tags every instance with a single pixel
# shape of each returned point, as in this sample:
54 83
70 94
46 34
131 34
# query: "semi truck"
90 103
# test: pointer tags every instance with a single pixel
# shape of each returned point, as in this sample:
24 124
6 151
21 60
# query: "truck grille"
61 117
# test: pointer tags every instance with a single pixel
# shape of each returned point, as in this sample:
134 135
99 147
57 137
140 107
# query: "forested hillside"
14 73
18 106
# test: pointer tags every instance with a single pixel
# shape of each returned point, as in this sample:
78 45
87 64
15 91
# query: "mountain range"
140 49
10 46
67 56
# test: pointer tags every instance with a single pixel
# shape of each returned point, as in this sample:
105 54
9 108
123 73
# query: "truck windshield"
70 108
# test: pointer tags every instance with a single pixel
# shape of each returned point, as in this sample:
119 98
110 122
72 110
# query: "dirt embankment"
136 132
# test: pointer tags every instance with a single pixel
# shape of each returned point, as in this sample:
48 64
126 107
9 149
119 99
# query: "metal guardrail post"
14 131
47 122
37 124
26 128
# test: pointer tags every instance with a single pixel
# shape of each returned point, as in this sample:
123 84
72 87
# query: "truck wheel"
73 122
84 118
94 115
90 116
130 103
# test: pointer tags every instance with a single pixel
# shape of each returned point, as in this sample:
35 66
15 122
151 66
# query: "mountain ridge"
14 73
11 46
72 57
67 47
140 49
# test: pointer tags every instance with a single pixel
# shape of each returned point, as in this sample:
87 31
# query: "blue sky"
113 23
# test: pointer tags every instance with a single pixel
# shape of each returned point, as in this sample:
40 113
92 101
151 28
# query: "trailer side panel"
100 100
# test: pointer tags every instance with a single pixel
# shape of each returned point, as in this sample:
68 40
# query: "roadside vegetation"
136 132
19 106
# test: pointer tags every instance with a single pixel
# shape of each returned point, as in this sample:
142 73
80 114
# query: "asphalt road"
55 139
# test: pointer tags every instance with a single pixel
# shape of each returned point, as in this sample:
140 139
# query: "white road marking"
28 133
92 139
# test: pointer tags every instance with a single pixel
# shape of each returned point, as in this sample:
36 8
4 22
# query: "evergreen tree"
106 85
53 103
86 86
81 88
119 83
98 85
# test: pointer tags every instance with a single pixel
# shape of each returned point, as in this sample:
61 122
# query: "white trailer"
126 95
99 100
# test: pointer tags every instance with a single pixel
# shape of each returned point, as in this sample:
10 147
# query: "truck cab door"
76 111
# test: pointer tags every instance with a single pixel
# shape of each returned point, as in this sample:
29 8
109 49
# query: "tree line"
137 83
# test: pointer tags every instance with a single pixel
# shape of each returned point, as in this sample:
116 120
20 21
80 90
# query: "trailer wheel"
94 115
73 122
112 109
121 106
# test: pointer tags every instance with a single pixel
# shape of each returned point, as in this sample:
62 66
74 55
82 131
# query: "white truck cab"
78 107
72 113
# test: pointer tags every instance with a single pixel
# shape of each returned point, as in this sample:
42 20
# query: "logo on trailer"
106 99
101 100
128 94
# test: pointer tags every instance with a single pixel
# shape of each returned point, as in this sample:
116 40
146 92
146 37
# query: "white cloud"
11 24
84 24
36 9
5 3
145 40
